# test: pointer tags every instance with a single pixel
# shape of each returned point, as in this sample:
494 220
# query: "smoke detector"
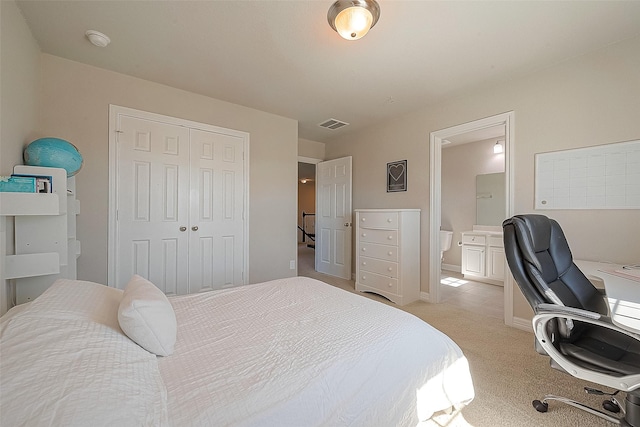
97 38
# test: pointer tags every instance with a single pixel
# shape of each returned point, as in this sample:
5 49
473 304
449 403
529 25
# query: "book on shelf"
43 183
18 184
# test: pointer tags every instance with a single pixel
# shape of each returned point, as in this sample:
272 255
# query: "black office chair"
571 322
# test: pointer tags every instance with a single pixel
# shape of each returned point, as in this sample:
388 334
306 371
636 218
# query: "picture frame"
397 176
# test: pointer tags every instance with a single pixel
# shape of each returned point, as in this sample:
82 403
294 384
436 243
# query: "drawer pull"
390 269
364 262
362 219
390 285
364 234
364 249
390 237
390 253
389 220
364 277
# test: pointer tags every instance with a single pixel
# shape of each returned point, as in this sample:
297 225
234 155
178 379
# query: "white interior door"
216 211
333 217
152 212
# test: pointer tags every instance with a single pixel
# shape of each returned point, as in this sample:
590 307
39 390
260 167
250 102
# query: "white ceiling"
282 56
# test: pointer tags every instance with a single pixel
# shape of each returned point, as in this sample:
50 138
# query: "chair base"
630 416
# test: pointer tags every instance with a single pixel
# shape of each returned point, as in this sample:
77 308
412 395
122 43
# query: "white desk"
623 292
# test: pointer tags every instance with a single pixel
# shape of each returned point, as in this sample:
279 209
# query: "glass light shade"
497 149
353 22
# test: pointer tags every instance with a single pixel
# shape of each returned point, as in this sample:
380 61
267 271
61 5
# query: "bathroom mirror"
490 199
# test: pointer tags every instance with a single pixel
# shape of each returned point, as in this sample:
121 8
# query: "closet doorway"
177 203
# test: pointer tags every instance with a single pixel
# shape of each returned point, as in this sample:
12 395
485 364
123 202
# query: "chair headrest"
533 233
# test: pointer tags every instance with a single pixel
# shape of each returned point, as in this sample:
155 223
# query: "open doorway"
306 215
472 210
437 140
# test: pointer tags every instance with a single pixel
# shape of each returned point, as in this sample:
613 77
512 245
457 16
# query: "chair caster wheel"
611 406
540 406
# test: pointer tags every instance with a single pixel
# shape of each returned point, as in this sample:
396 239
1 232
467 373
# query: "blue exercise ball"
53 153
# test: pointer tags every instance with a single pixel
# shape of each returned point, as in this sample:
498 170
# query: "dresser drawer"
377 281
387 220
385 268
385 237
473 239
389 253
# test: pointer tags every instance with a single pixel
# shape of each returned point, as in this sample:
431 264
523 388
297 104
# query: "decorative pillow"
146 316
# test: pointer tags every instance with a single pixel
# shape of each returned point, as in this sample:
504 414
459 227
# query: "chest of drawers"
388 253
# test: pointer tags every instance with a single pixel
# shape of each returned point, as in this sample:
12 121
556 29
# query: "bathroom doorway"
479 130
473 208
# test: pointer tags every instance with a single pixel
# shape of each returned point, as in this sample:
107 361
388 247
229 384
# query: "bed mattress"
290 352
299 352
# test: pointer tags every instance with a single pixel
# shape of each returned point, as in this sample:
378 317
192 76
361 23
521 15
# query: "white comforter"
65 362
291 352
298 352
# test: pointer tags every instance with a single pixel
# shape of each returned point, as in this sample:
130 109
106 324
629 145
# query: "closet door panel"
153 189
216 206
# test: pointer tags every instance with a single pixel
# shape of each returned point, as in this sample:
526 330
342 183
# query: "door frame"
435 199
112 233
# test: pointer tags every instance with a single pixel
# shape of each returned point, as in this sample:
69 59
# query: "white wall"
585 101
19 97
75 107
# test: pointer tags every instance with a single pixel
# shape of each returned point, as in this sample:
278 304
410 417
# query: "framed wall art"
397 176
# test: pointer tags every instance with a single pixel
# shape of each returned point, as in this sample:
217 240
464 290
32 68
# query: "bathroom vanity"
483 257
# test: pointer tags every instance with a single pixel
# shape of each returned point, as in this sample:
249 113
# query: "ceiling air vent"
333 124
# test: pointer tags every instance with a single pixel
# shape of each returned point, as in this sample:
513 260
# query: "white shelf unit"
44 233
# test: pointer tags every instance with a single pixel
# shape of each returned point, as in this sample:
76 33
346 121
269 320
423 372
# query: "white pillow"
146 316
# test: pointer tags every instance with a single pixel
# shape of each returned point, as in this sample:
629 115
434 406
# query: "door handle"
347 224
183 228
194 228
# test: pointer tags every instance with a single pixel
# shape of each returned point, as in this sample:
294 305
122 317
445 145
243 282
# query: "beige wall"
20 71
585 101
311 149
19 97
75 107
460 165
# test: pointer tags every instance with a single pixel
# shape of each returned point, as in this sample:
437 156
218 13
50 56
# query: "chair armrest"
568 311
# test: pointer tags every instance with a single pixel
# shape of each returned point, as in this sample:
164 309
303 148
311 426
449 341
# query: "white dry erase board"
600 177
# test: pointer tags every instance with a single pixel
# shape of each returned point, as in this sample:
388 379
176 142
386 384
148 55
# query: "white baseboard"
521 323
451 267
424 296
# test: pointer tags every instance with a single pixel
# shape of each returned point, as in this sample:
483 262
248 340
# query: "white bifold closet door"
180 206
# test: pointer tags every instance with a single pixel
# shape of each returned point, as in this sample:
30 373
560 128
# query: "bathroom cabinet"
388 253
483 257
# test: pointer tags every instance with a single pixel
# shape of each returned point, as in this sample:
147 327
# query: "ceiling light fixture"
497 149
353 19
97 38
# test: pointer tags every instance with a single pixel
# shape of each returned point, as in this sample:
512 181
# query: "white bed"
290 352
